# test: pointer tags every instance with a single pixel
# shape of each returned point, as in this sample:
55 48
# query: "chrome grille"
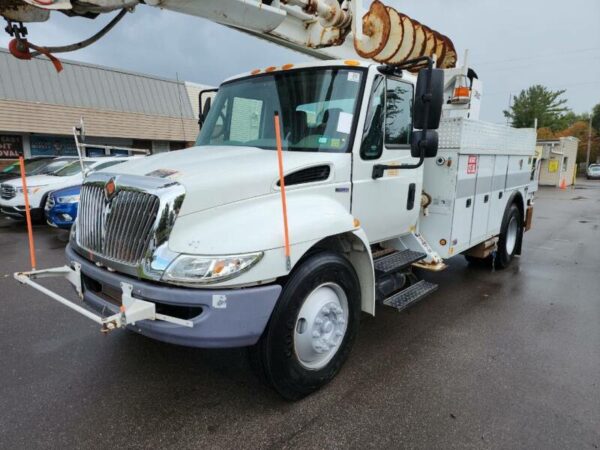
119 230
7 191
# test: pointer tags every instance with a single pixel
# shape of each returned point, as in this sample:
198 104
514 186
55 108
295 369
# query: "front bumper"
225 317
18 212
62 215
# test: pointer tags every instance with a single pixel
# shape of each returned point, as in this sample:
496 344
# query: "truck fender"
355 246
517 198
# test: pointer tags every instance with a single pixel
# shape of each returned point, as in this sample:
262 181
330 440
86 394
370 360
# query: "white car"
12 200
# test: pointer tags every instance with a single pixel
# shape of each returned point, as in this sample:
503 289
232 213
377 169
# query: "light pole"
589 146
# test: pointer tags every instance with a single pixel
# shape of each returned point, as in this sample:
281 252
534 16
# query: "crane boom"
325 29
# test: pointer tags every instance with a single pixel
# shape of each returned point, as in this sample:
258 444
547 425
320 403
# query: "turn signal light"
462 91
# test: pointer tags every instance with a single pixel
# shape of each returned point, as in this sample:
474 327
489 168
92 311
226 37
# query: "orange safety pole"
283 198
27 213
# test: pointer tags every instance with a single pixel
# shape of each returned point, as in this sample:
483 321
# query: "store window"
52 146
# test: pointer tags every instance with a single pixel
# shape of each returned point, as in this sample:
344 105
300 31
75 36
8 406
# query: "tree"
539 102
596 118
545 134
580 131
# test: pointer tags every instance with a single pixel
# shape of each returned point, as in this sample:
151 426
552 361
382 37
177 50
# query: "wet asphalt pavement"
491 360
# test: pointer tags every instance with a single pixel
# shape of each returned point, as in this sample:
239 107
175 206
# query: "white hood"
216 176
45 180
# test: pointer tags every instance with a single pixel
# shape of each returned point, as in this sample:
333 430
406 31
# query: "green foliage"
539 102
596 118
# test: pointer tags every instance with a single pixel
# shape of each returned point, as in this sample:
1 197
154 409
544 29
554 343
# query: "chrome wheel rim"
511 235
321 326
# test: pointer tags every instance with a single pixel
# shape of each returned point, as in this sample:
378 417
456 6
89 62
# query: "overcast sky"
513 44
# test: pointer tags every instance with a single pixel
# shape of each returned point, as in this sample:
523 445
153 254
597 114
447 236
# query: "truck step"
410 295
396 261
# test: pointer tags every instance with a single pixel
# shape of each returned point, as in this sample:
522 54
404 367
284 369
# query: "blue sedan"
61 207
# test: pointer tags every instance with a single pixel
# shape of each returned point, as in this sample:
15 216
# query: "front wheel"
312 328
511 235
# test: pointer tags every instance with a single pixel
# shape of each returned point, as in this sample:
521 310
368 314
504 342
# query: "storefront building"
39 108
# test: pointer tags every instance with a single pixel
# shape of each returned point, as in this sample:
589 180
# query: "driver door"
389 206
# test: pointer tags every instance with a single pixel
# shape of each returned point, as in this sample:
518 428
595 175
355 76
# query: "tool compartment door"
463 204
481 204
498 196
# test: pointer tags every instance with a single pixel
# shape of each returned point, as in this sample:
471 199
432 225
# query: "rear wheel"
312 328
511 235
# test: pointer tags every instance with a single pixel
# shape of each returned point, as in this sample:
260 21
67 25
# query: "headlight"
30 190
69 199
189 269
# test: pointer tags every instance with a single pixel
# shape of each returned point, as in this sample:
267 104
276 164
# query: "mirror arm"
379 169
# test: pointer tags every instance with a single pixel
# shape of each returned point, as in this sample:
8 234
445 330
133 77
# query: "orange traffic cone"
563 184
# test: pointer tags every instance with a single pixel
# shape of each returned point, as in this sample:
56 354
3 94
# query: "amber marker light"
287 66
270 69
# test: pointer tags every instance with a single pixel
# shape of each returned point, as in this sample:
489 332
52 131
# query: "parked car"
593 172
61 207
33 166
12 200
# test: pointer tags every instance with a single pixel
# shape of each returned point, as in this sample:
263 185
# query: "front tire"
511 236
312 328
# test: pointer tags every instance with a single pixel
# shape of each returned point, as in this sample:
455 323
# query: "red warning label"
472 165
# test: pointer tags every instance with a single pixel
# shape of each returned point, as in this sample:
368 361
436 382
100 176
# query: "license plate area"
104 291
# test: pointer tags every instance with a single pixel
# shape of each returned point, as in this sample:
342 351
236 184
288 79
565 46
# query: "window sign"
11 146
52 146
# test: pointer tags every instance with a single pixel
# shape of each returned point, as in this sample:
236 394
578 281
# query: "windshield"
32 166
595 169
54 166
317 110
72 168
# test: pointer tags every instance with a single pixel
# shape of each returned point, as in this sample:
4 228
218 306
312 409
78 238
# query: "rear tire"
511 236
312 328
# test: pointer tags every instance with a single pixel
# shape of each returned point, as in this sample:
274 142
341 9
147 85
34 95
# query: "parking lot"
505 359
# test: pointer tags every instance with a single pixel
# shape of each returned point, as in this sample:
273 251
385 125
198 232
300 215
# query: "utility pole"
589 146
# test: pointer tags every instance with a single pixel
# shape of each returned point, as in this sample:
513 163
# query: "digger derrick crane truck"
312 193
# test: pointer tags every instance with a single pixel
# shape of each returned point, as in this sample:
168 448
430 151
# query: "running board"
410 295
397 261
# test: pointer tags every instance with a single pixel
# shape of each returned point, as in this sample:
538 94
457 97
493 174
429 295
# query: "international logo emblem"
109 189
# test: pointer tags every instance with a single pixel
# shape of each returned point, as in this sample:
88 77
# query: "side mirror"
426 141
434 97
204 102
205 110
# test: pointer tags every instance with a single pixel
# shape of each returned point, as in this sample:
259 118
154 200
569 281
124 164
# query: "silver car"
593 172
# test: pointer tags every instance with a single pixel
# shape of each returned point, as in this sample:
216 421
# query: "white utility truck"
382 171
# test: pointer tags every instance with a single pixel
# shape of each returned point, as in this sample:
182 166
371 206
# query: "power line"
547 55
583 83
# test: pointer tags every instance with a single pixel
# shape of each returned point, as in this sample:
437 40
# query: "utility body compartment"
478 167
